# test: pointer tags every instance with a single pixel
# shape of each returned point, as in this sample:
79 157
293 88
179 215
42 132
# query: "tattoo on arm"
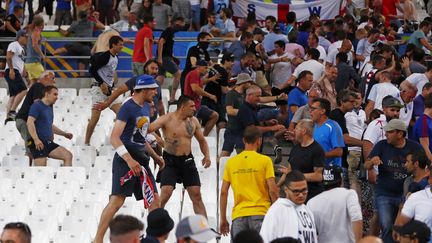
189 127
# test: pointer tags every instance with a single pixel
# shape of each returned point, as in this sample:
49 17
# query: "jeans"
246 223
387 208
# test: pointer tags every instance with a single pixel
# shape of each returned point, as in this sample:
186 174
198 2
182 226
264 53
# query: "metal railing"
93 39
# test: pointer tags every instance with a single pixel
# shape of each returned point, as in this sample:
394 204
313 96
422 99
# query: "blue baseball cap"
145 82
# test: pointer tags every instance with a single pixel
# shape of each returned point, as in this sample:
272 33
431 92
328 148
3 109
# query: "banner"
326 9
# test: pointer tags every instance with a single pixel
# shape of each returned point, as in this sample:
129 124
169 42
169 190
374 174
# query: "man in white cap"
193 229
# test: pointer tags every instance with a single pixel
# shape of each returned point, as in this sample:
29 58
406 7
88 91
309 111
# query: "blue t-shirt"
423 129
392 172
329 136
418 106
302 39
131 84
137 120
296 97
63 5
44 117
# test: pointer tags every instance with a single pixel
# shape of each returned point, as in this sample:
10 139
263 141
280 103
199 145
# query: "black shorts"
179 169
17 85
120 169
48 147
78 49
204 113
231 141
168 65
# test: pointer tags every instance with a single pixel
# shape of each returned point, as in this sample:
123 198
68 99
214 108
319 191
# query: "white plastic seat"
83 99
5 185
62 141
76 118
70 92
36 186
107 150
54 208
57 195
18 150
72 173
177 94
102 184
81 109
3 92
36 172
43 223
84 91
83 223
92 209
3 147
132 207
16 210
60 109
54 163
172 108
9 139
82 161
93 195
100 173
222 163
72 237
22 195
89 151
12 173
15 160
103 161
40 237
72 186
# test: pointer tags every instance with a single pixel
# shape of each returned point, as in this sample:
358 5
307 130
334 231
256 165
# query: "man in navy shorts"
41 129
132 151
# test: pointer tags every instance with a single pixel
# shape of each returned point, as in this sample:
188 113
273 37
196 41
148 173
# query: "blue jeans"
387 208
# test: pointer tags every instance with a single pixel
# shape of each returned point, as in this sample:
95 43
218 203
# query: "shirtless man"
178 128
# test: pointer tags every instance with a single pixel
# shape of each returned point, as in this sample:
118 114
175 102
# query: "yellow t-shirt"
247 173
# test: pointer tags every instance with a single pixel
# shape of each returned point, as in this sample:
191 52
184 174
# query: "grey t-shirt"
234 99
161 14
82 28
302 113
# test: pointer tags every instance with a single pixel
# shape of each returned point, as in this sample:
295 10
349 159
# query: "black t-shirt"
304 159
168 36
234 99
16 24
338 116
198 53
216 88
35 92
247 115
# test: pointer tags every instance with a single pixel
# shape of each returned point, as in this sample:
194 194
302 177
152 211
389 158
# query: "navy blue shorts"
232 141
48 147
204 113
120 169
179 169
168 65
17 85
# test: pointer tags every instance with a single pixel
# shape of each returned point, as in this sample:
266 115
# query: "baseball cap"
20 33
243 78
195 227
415 229
395 124
145 82
390 101
332 175
259 31
227 57
202 63
159 222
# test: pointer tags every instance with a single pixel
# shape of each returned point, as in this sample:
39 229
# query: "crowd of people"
350 98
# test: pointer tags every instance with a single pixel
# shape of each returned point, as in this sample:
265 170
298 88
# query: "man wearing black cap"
334 224
413 232
193 87
389 156
159 226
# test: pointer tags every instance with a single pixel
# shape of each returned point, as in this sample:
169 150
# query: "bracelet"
121 150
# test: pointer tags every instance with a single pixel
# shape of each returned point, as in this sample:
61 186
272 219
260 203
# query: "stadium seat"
36 172
37 186
102 184
88 151
222 163
93 194
70 92
220 140
82 161
27 196
15 160
5 185
103 161
92 209
3 92
80 223
62 141
107 150
43 223
54 208
72 237
13 210
172 108
54 163
12 173
72 186
18 150
132 207
100 173
177 94
57 195
72 173
81 108
40 236
84 92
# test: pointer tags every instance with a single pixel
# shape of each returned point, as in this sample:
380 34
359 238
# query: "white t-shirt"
323 53
312 65
419 206
381 90
280 70
18 56
331 57
419 80
375 130
359 3
334 211
356 124
334 46
406 112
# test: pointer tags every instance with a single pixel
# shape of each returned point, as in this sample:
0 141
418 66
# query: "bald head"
370 239
346 45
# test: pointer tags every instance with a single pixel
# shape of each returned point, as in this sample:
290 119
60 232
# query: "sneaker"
9 119
278 154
